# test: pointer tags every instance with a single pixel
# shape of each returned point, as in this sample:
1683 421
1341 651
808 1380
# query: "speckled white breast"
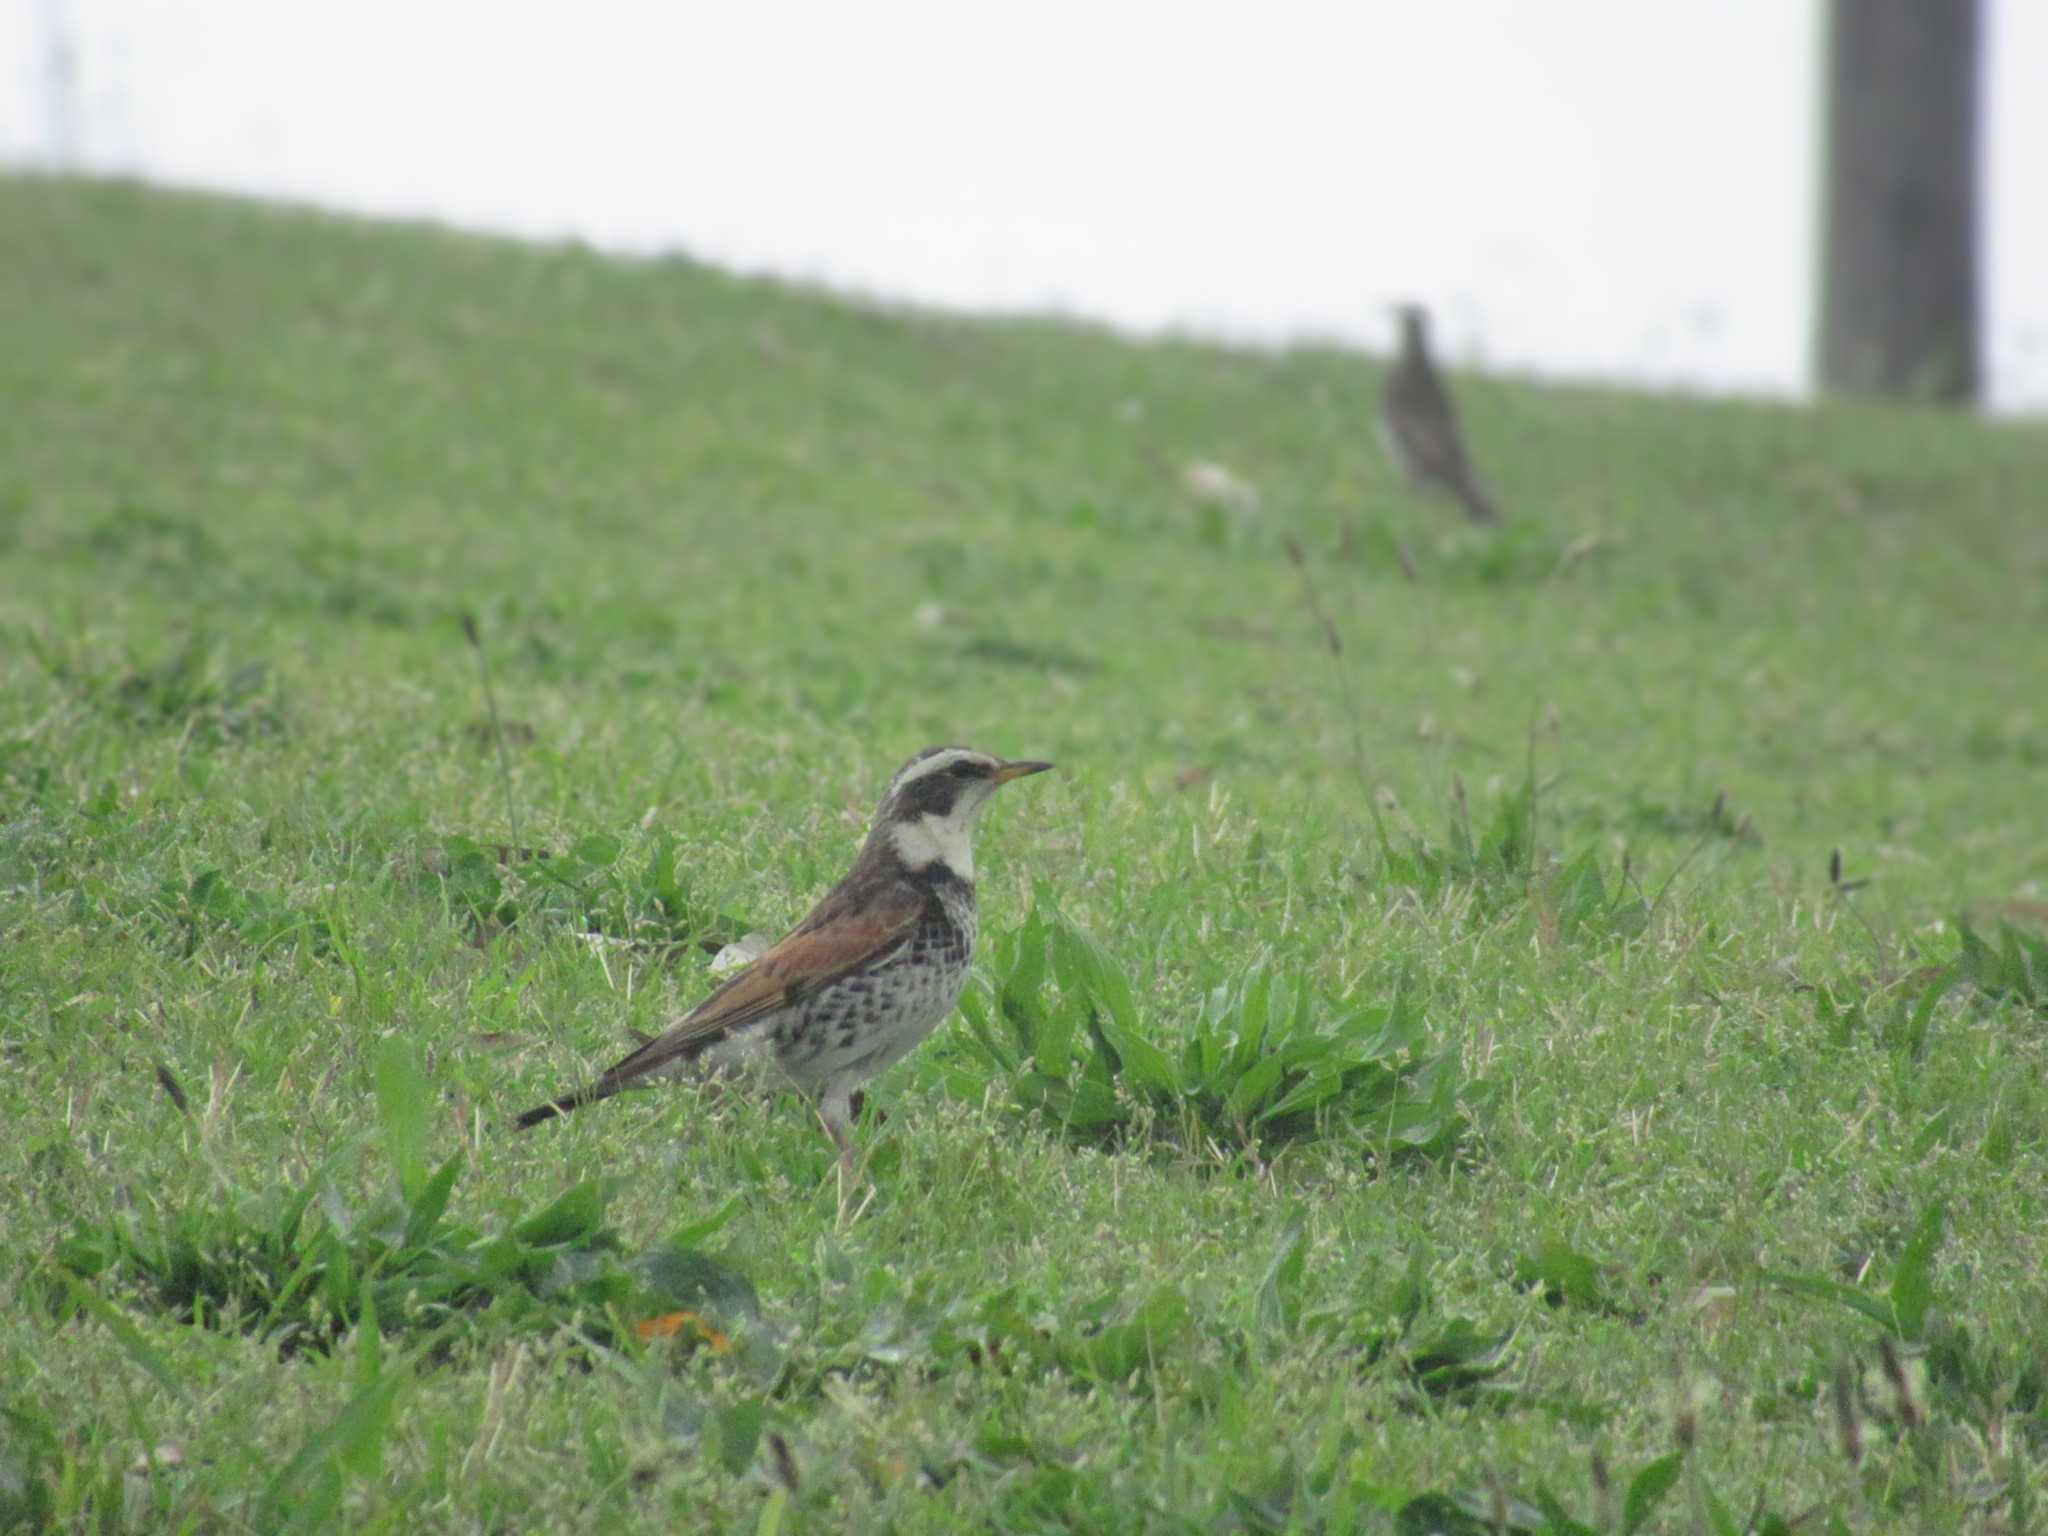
864 1023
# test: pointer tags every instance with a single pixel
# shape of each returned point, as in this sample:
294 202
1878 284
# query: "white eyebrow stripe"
938 762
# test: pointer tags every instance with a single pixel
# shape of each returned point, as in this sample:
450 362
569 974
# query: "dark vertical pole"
1899 236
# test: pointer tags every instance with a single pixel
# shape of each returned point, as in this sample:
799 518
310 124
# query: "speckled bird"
860 982
1419 425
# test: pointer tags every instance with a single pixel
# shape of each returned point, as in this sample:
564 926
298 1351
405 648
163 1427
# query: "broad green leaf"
1090 1106
29 1450
1318 1088
576 1212
1458 1356
1436 1514
1154 1329
1557 1519
403 1101
306 1490
1253 1010
738 1431
1648 1489
1912 1287
1252 1088
431 1203
1147 1068
1879 1310
1709 1510
1279 1299
1083 965
1561 1272
1922 1017
685 1279
695 1233
598 849
1020 984
363 1454
127 1336
998 1050
1053 1049
1201 1053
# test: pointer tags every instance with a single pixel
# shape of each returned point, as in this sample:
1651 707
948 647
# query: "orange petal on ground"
669 1324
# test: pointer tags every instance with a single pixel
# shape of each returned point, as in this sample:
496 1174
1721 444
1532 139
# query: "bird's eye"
966 769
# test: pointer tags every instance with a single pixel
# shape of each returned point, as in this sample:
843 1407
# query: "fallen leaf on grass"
501 1038
686 1325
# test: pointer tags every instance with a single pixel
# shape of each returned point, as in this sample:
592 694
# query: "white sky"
1590 187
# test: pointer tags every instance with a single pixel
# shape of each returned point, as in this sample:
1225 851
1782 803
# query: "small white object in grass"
744 950
1207 480
928 615
169 1454
1714 1304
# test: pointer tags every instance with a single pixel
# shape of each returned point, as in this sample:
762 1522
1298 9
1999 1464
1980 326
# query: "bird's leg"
835 1112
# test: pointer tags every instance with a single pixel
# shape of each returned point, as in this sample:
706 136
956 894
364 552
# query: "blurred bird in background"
1419 425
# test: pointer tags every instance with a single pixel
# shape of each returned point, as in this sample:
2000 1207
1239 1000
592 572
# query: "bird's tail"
1478 505
656 1054
561 1106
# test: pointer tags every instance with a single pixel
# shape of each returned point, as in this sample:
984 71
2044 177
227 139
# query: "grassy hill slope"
1701 1124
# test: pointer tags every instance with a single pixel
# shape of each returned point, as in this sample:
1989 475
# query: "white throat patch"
936 840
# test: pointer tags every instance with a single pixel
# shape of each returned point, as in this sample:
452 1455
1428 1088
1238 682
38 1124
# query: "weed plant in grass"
1530 1031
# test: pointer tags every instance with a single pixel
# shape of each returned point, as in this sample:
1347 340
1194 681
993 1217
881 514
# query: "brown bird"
873 969
1419 425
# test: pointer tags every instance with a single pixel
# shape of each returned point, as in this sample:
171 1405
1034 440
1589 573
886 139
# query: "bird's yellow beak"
1017 770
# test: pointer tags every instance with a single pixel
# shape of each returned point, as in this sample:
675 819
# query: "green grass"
1644 1131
